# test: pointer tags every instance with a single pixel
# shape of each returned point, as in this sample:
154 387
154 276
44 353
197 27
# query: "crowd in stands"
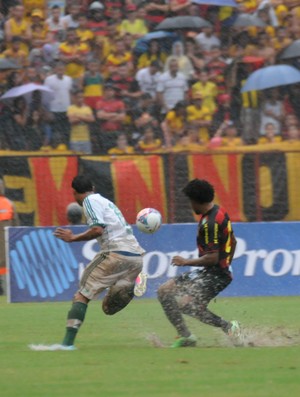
113 95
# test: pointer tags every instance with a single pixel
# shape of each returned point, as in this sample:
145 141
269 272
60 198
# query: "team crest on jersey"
204 220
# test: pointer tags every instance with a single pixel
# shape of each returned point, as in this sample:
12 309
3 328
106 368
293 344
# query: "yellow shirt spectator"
135 28
194 113
79 132
208 92
73 69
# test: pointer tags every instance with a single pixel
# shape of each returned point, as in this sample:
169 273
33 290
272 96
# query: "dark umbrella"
184 22
292 51
245 20
6 64
143 43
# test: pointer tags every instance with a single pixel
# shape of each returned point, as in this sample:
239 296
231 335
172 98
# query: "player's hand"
179 261
64 234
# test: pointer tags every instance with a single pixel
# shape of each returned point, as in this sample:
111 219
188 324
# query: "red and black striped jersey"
215 234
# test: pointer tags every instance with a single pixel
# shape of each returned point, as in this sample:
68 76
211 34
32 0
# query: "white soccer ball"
148 220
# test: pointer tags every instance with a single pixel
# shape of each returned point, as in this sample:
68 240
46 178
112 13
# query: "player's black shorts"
203 285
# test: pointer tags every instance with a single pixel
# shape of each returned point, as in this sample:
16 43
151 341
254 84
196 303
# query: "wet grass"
117 356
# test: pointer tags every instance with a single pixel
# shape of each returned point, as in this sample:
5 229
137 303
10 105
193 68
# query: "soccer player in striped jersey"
117 267
191 292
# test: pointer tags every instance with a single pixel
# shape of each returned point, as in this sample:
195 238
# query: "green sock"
75 319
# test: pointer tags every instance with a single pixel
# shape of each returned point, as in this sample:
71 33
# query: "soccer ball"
148 220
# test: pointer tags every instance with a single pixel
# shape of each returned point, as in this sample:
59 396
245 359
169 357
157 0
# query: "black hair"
200 191
82 184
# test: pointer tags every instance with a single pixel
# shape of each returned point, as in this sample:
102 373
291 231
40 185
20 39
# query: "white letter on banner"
286 265
240 248
296 266
252 260
161 265
87 250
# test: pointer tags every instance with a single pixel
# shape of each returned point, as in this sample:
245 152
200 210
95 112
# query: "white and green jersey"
117 234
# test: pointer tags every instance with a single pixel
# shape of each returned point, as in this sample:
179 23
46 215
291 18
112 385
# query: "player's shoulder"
221 214
94 198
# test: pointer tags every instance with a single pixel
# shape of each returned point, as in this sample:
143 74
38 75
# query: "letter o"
155 264
286 265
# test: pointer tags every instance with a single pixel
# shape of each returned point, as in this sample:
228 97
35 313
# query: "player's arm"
208 259
69 237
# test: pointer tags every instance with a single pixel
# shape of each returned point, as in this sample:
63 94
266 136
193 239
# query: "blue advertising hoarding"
43 268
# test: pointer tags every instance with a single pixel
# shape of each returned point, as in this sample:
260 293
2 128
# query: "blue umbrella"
271 76
142 44
221 3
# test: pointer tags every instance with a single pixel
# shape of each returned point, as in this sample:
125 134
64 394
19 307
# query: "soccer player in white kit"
117 267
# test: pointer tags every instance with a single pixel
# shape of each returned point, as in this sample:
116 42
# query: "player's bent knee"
116 301
78 297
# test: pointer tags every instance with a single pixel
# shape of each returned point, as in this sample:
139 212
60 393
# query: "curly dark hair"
82 184
200 191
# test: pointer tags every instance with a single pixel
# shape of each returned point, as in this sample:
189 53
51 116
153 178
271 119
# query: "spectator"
8 217
154 53
131 24
174 124
148 78
39 29
127 86
216 68
84 34
73 54
199 116
272 111
179 7
148 142
32 75
62 86
71 19
122 146
207 89
118 57
281 40
269 135
263 49
92 84
16 126
184 64
15 53
55 22
80 116
223 115
194 53
226 136
111 115
207 40
31 5
172 87
145 113
97 22
38 130
74 214
189 142
17 25
156 11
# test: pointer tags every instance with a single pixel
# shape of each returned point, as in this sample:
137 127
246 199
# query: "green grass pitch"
119 356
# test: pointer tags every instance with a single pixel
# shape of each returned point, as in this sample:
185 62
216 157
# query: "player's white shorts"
108 269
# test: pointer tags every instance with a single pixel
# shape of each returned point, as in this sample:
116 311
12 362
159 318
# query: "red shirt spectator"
110 110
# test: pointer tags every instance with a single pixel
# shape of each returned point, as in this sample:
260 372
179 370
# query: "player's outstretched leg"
167 298
117 298
75 319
